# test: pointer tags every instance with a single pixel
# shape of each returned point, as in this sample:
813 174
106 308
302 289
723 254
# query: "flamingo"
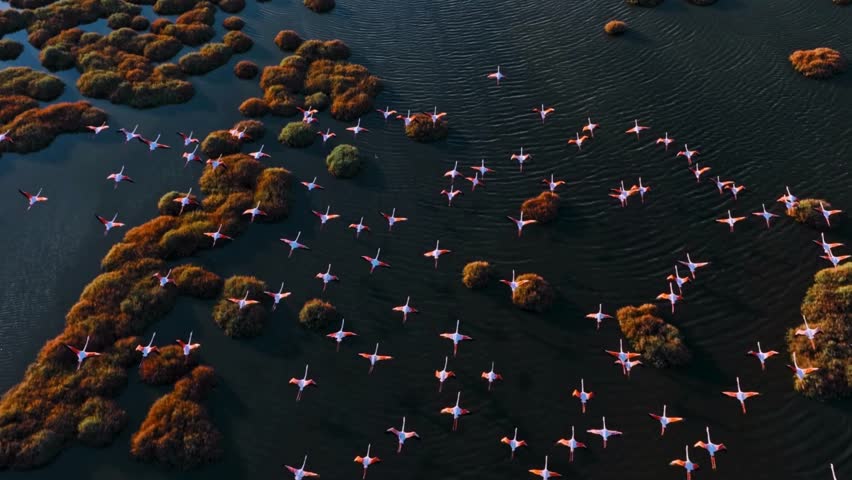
435 116
571 443
32 199
834 259
521 158
809 332
309 119
325 217
148 349
392 218
665 140
187 139
375 262
294 244
698 171
359 227
513 443
456 411
497 75
686 464
254 212
374 358
672 297
153 144
326 277
800 372
761 355
552 184
833 475
474 181
621 354
357 129
443 375
578 140
307 112
454 172
129 135
327 135
712 448
95 129
366 461
109 224
260 154
188 199
826 247
627 366
665 420
642 189
482 169
636 129
406 119
82 354
598 316
436 253
693 266
339 335
766 215
277 296
590 127
187 347
543 112
623 194
491 376
520 222
455 337
244 302
451 194
686 152
604 432
312 185
740 395
300 473
217 235
239 134
583 395
513 284
736 189
401 435
722 185
302 383
119 177
386 113
214 164
827 213
680 281
789 200
730 221
191 157
164 280
405 309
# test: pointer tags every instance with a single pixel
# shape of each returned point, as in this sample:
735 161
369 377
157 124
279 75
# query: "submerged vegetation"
317 314
543 208
818 62
659 343
477 274
344 161
534 293
826 306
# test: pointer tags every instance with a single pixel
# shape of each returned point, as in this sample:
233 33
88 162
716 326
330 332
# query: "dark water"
716 77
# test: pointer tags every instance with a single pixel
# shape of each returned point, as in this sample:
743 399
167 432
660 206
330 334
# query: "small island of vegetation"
543 208
344 161
533 294
615 27
659 343
297 135
806 211
246 70
818 62
320 6
477 274
422 129
236 321
317 314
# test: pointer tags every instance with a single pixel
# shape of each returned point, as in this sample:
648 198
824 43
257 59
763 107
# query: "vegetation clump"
32 83
233 23
317 314
139 23
320 6
254 107
238 41
10 49
806 211
240 322
318 101
178 431
288 40
818 62
100 421
477 274
46 20
297 135
34 129
246 69
659 343
422 129
534 293
167 366
615 27
543 208
209 58
344 161
119 20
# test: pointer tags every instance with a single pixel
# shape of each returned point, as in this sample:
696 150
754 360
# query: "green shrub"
297 135
34 84
237 323
317 314
100 422
535 294
344 161
119 20
318 100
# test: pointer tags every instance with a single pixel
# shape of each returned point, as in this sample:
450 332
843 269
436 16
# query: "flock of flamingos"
625 359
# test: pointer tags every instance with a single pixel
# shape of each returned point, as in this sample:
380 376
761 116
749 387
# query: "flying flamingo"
513 443
435 116
679 281
693 266
625 359
543 112
185 200
129 135
665 140
789 200
326 277
153 144
672 297
214 164
604 432
386 113
451 194
686 152
800 372
294 244
583 395
98 129
482 169
520 222
260 154
374 358
187 139
552 184
82 354
312 185
712 448
217 235
730 221
357 129
521 158
244 302
255 212
119 177
278 296
339 335
148 349
686 464
456 411
456 338
401 435
437 252
766 215
405 309
623 194
740 395
761 355
191 157
497 75
307 112
590 127
834 259
164 280
491 376
406 119
359 227
598 316
664 420
698 171
827 213
578 140
187 347
325 217
735 189
475 181
809 332
327 135
571 443
636 129
454 172
366 461
826 247
392 218
302 383
722 185
444 374
109 224
33 199
239 134
642 189
300 473
513 284
627 366
374 261
833 475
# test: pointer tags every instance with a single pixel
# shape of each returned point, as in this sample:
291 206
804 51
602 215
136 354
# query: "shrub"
100 422
34 84
232 6
255 129
10 49
162 49
119 20
173 7
297 135
254 107
318 100
422 129
247 322
818 62
615 27
273 192
806 211
317 314
660 343
13 105
477 274
194 281
139 23
542 208
219 142
238 41
535 294
233 23
167 366
320 6
209 58
13 20
192 34
288 40
344 161
36 128
56 58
